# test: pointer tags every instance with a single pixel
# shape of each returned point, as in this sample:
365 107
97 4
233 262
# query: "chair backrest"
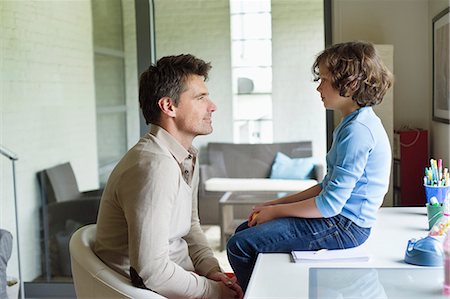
92 277
5 254
63 209
62 182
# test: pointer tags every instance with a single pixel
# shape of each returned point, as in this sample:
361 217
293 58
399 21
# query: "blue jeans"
283 235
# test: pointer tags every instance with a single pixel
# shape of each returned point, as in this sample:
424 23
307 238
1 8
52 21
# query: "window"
251 40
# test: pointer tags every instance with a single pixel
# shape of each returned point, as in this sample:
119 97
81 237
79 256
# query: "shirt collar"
175 148
350 116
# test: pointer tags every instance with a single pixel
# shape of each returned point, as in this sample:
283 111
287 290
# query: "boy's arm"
300 196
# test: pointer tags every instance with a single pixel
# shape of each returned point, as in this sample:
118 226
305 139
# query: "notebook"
356 254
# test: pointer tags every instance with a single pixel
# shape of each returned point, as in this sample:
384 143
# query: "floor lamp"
13 157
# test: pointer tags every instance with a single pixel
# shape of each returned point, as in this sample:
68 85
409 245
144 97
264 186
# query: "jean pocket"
332 240
361 231
318 226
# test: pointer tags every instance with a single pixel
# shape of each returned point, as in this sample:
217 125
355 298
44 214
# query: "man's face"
195 108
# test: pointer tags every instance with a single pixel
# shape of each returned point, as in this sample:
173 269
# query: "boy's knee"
233 244
242 226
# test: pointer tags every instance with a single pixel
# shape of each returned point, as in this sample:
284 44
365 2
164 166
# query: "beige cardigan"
148 219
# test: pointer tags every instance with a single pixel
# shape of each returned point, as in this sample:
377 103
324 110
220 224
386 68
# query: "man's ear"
167 106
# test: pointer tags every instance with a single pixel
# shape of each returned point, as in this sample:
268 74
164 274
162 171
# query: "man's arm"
200 252
199 249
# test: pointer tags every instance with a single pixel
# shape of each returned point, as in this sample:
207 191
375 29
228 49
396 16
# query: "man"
148 226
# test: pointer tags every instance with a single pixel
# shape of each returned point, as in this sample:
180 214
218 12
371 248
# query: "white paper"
356 254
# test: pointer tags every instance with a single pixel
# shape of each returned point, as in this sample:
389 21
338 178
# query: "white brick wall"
201 28
131 73
47 108
297 37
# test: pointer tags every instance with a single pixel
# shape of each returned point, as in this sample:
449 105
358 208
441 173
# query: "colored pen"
436 172
432 170
430 176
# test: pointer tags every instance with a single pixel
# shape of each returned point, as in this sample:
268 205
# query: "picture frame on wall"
441 67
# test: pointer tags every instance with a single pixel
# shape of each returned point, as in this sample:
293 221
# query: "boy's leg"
286 234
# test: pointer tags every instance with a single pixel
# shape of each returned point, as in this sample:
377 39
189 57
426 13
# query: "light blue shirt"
358 169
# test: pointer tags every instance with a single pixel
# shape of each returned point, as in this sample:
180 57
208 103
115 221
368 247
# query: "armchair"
93 278
64 210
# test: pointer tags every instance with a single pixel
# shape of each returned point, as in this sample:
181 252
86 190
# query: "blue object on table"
424 252
440 192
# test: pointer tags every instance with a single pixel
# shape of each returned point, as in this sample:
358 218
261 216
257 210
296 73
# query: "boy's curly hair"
356 70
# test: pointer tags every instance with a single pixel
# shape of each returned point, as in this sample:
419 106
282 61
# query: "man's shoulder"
144 156
150 145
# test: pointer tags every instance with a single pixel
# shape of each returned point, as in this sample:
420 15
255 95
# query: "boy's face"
330 95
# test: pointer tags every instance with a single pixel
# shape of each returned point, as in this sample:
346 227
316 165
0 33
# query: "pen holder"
434 213
440 192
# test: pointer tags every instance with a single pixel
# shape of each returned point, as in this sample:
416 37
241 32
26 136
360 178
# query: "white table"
276 276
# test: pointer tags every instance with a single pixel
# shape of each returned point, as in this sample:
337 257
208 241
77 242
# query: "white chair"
93 278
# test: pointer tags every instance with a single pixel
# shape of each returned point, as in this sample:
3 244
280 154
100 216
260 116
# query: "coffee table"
243 200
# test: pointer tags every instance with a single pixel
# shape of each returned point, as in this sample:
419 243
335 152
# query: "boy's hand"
263 214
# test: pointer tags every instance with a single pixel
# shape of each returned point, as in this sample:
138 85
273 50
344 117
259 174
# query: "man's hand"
230 283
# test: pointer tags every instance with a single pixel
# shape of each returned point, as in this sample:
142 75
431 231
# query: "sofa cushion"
292 169
232 184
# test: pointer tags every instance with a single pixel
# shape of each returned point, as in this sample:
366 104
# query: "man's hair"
355 69
167 78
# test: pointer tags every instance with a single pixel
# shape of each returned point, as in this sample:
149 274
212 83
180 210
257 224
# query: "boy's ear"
166 105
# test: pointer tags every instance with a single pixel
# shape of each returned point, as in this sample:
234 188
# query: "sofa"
247 167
